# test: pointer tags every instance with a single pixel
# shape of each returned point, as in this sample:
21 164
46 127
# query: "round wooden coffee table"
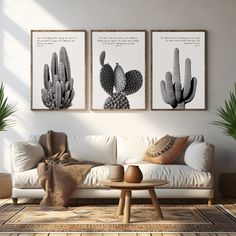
126 194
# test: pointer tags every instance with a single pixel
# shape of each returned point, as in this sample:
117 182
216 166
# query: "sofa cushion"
192 138
131 149
197 156
165 150
26 179
29 179
26 155
179 176
96 148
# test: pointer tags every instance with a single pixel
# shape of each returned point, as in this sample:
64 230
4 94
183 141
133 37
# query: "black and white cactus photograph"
58 70
178 70
118 70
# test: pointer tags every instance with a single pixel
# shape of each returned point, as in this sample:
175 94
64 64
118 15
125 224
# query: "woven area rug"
194 218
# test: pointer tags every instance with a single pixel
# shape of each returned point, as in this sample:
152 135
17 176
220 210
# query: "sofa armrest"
200 156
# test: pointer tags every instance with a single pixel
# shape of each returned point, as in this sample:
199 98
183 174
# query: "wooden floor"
119 234
231 202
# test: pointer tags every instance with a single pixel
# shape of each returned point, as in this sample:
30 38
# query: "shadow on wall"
12 81
20 133
64 13
60 121
80 13
15 73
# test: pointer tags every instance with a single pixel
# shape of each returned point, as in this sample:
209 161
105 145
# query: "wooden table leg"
121 203
155 202
126 218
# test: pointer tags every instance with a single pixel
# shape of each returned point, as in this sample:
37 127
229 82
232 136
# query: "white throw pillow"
199 156
132 149
26 155
95 148
198 138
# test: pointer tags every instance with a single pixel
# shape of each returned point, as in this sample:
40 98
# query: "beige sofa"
190 176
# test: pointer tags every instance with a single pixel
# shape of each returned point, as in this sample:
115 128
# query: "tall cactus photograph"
58 70
58 91
176 92
118 84
178 70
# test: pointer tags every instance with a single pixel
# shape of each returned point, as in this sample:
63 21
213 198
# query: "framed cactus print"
58 70
178 70
118 70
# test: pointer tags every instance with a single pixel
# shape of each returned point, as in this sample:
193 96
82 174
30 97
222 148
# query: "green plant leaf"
227 115
6 110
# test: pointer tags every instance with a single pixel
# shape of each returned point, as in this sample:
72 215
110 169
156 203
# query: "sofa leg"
210 201
14 200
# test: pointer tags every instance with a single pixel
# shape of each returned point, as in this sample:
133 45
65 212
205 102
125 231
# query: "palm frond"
227 115
6 110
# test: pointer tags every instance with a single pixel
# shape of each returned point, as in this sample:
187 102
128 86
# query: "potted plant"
6 110
227 122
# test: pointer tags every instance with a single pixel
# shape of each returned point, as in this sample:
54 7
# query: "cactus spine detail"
172 91
58 91
123 83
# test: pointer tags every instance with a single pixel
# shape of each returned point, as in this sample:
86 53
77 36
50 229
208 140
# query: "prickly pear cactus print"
118 84
134 81
117 101
107 78
120 79
58 91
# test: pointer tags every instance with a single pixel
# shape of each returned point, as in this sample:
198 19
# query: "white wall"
218 17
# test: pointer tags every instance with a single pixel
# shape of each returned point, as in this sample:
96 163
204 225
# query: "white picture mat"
130 57
43 55
162 61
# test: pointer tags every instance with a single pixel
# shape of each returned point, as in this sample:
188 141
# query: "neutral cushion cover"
26 179
165 150
192 138
197 156
179 176
131 149
26 155
95 148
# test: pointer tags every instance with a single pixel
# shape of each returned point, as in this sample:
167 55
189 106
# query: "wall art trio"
118 70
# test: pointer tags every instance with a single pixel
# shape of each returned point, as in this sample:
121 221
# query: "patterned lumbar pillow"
166 149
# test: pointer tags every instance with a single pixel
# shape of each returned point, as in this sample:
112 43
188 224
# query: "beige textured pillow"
26 155
166 149
199 156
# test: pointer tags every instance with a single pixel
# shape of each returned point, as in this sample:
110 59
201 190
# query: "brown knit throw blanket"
59 174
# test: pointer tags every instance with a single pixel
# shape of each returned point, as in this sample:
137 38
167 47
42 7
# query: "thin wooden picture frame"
125 52
177 52
58 70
